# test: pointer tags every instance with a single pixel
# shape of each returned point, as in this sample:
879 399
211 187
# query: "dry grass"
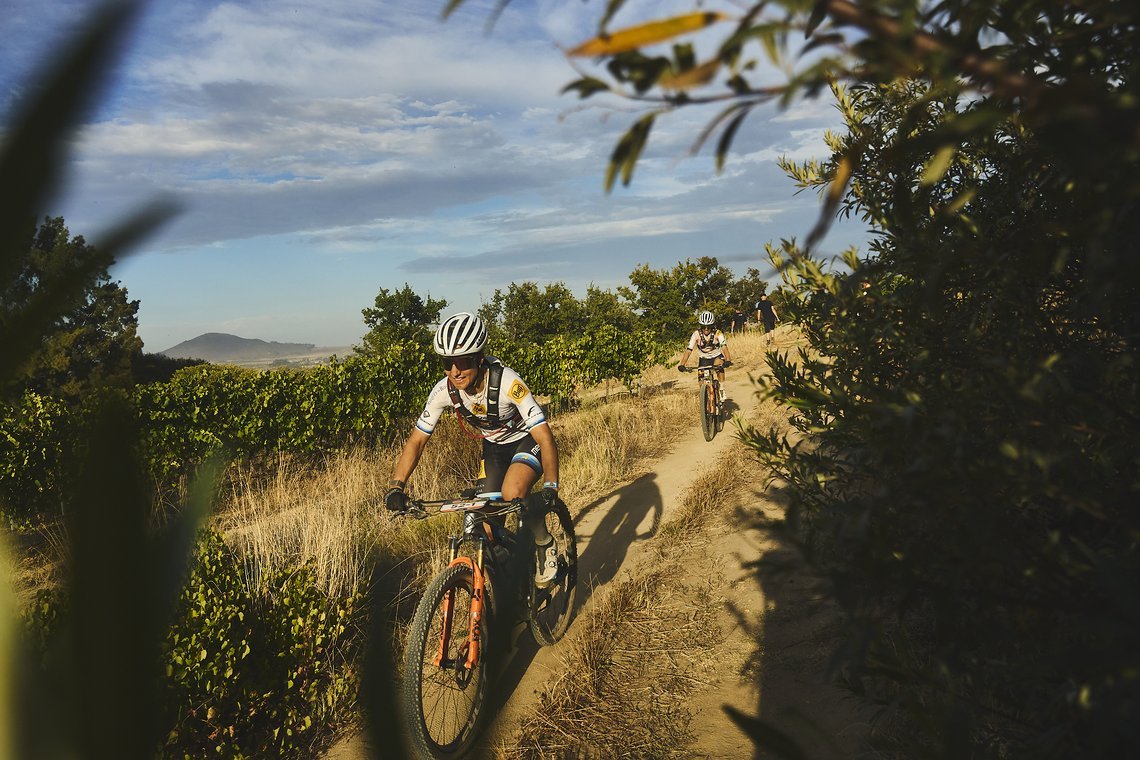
620 691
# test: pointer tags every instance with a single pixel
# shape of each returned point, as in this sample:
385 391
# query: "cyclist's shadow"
605 549
608 543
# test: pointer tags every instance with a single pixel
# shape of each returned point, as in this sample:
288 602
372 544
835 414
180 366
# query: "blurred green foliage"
967 469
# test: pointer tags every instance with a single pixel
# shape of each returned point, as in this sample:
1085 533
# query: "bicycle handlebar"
422 508
724 365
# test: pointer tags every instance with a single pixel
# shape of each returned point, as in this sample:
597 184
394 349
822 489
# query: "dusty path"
610 534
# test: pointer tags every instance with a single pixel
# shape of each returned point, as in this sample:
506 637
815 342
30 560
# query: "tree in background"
605 307
399 317
90 345
668 299
746 291
526 314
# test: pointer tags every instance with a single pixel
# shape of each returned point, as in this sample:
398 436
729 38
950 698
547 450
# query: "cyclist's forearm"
410 456
684 357
548 452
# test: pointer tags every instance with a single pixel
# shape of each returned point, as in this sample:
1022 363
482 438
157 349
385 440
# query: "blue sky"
322 151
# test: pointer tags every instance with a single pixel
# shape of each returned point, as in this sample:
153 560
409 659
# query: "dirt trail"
612 533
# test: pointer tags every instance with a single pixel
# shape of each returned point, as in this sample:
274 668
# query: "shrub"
250 671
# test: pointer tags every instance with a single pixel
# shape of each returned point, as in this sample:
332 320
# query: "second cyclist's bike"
712 411
464 615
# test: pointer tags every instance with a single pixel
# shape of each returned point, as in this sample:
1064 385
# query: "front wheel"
719 409
552 607
444 700
708 410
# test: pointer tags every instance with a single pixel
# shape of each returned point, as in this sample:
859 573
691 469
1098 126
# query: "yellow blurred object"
634 37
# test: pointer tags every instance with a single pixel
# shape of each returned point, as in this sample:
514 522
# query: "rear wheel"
551 608
443 703
708 410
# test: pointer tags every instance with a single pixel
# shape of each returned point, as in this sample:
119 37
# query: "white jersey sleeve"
514 392
437 401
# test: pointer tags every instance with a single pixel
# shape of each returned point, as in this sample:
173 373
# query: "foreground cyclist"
711 347
491 398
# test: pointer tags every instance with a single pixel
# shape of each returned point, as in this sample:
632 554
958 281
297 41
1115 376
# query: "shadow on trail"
800 710
601 553
609 542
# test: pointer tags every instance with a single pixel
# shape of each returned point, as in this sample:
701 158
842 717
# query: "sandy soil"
772 659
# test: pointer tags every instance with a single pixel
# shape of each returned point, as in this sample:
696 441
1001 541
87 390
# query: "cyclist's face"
706 329
461 369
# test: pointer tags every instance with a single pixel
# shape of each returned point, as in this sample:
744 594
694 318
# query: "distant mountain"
222 348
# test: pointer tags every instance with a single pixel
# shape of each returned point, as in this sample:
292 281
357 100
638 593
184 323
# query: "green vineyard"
209 410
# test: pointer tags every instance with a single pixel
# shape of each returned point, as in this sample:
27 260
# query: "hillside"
223 348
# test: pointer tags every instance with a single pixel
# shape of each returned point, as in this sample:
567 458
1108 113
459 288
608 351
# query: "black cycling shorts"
498 457
709 362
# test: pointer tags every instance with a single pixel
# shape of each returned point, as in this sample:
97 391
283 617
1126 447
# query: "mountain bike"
712 413
455 625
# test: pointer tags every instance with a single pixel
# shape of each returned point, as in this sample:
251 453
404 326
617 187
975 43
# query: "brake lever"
413 512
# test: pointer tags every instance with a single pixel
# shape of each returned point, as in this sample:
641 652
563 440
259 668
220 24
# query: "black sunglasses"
461 363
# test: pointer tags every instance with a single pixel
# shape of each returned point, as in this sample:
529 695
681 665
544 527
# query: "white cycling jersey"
519 411
707 346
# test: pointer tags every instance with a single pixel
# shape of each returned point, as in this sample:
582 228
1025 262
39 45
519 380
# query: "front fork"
478 581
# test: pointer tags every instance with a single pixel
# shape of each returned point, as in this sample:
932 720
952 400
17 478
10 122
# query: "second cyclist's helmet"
706 318
460 334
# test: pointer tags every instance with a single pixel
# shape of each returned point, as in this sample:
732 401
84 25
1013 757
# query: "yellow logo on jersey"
518 391
479 409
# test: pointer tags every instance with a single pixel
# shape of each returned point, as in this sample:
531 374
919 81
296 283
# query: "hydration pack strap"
494 369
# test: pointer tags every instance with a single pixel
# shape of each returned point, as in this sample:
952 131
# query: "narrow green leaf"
726 138
937 165
628 150
818 14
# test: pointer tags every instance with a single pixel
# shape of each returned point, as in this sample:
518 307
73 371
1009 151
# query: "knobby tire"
708 410
719 409
444 706
552 608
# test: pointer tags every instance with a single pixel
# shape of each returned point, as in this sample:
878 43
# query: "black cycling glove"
549 494
396 500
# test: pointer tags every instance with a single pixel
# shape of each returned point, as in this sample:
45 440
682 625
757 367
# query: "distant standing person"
766 313
737 324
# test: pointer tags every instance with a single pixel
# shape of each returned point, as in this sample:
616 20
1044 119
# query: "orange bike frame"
478 579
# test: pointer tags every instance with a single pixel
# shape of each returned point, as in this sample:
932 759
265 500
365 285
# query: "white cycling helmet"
706 318
460 334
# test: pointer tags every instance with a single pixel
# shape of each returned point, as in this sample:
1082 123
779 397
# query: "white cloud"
370 142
